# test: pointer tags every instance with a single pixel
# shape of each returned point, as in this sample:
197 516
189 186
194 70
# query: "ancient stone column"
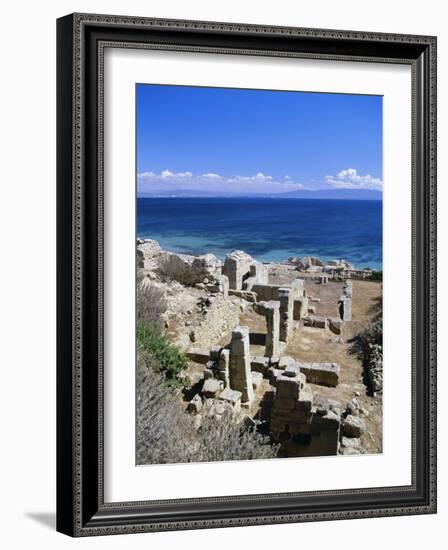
223 367
224 285
286 313
348 289
272 312
239 370
297 288
345 308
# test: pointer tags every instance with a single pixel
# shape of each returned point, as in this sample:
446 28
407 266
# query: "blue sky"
234 142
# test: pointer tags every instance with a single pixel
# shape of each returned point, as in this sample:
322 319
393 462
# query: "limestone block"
266 292
247 295
239 369
292 370
305 401
335 325
259 272
257 379
223 366
287 387
301 417
198 356
319 322
349 451
273 374
231 396
187 269
297 288
334 405
236 266
214 353
325 374
259 364
282 404
212 387
353 426
272 313
286 361
249 283
195 405
330 421
353 407
350 442
345 308
286 313
224 282
208 373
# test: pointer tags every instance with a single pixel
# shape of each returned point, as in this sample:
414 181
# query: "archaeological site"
278 350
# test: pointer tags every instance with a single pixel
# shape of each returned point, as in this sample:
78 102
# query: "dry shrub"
166 435
151 303
226 439
165 431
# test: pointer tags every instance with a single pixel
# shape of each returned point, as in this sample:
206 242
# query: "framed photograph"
246 274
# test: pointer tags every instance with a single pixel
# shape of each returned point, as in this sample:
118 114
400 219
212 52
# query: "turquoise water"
270 229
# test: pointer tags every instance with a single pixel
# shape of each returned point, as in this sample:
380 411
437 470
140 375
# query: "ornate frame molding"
81 42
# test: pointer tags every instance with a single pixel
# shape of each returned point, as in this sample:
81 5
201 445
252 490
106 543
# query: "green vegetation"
376 276
165 357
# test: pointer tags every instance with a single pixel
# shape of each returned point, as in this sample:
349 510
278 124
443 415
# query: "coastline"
286 259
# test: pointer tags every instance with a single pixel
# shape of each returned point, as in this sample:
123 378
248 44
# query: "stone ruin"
243 271
345 302
297 422
271 311
233 380
240 375
304 423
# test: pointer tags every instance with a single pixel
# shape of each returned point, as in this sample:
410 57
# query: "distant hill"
341 194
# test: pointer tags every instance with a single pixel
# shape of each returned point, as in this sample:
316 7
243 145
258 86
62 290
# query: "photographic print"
258 274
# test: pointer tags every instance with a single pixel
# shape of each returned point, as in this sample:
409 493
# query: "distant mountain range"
351 194
335 194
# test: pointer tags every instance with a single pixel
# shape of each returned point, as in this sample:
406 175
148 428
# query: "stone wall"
216 323
189 270
304 428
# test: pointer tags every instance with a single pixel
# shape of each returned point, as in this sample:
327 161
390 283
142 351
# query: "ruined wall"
216 323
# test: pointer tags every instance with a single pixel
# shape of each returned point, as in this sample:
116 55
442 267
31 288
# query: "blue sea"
270 229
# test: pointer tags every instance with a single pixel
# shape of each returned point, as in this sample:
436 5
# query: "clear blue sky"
239 141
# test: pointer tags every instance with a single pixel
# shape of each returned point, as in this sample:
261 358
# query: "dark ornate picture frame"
81 509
